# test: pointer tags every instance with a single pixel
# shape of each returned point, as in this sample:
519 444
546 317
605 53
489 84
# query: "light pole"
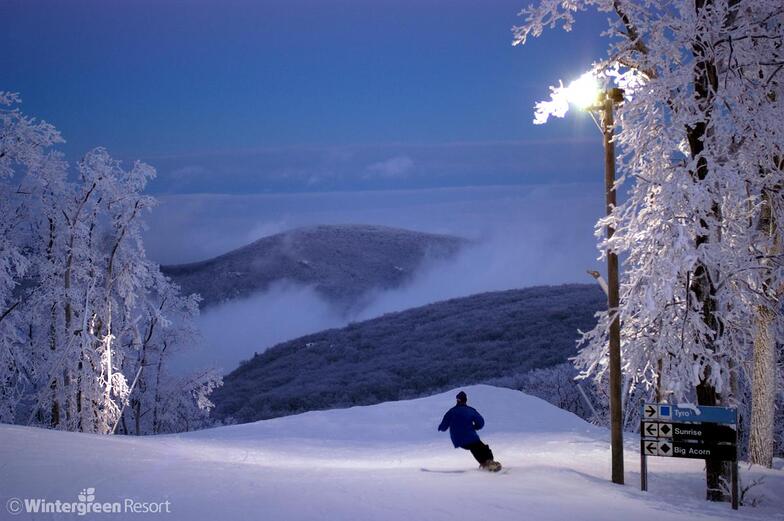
610 98
586 94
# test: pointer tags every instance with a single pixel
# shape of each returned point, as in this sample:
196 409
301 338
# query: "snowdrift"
365 463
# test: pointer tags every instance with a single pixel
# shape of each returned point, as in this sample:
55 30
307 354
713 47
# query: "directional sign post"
689 432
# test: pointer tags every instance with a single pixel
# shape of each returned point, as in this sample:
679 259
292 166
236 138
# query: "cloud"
378 167
545 237
188 171
509 259
193 227
265 229
235 330
394 167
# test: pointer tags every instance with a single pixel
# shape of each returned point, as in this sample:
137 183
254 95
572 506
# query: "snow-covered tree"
700 134
83 308
30 176
162 401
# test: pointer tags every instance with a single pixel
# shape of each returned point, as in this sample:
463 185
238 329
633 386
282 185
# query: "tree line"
699 137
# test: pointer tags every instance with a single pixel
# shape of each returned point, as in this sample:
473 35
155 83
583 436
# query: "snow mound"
505 411
365 463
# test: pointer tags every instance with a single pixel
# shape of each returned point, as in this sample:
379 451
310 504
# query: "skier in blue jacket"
463 422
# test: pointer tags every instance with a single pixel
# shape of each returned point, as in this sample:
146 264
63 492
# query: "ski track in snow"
365 463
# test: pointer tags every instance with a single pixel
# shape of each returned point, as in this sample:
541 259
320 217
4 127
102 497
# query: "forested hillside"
412 353
342 263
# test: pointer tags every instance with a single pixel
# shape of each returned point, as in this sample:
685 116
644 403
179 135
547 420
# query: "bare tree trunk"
55 409
763 381
703 287
715 471
108 346
137 416
157 396
763 391
72 222
54 417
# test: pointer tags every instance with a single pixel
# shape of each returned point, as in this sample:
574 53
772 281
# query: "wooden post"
643 471
735 498
616 431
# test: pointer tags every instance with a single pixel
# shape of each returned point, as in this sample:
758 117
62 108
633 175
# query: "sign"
650 448
703 432
696 413
688 450
650 429
656 448
704 451
697 432
650 411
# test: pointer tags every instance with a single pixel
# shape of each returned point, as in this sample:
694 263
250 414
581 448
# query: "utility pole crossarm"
600 280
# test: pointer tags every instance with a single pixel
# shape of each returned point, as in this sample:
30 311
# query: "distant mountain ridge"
413 353
341 262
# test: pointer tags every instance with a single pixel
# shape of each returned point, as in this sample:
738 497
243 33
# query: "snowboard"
494 467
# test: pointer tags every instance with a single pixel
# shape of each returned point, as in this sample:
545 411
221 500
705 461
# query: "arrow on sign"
650 411
650 429
651 448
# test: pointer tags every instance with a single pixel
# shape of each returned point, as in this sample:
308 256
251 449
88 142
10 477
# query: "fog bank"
522 236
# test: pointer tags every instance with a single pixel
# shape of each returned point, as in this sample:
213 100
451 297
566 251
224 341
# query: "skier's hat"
461 397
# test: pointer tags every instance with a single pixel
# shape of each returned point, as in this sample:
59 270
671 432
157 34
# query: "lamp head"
584 92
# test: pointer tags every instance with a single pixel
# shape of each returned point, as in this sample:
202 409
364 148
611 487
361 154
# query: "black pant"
480 451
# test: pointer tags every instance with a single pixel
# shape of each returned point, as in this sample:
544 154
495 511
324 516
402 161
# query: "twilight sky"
240 96
261 116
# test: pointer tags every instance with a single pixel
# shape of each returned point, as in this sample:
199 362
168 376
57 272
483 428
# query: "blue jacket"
463 422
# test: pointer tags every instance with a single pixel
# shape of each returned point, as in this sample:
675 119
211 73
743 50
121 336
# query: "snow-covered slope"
365 463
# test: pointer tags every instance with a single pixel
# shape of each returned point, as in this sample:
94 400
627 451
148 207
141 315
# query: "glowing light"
584 91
